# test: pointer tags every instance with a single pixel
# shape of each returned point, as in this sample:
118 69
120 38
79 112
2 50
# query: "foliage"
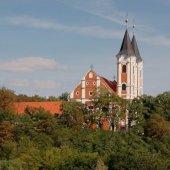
64 96
162 103
157 127
73 114
7 97
38 140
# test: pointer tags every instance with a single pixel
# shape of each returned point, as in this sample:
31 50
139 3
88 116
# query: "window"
90 75
123 86
94 82
90 93
77 93
87 83
124 68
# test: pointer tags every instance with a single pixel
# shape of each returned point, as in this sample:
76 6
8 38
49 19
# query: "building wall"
89 85
130 78
86 88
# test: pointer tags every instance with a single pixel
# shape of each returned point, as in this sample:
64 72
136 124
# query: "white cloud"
105 9
157 40
30 64
95 31
40 84
19 82
46 84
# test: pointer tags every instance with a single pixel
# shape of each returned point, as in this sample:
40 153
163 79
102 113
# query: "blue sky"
46 46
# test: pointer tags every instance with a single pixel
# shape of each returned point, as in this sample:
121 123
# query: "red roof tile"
52 107
111 84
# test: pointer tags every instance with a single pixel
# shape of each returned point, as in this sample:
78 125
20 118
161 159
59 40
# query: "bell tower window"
124 69
123 87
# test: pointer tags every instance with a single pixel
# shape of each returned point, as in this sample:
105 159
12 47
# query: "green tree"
149 106
66 158
73 114
157 127
6 132
52 98
135 116
7 98
64 96
162 103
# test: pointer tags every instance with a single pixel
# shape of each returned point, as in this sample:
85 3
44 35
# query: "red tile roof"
52 107
111 84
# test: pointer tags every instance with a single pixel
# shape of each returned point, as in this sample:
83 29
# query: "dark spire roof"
135 49
126 47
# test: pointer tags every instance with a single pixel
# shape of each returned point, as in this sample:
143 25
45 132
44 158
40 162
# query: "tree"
7 98
148 106
162 103
135 116
73 114
64 96
66 158
52 98
6 132
157 127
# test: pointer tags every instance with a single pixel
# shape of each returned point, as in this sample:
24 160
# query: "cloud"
157 40
95 31
46 84
105 9
40 84
30 64
19 82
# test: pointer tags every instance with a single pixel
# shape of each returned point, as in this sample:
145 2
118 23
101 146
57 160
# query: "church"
129 83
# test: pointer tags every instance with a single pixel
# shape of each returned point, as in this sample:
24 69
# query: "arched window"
124 68
123 86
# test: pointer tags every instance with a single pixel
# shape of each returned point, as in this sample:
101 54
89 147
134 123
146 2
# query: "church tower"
129 69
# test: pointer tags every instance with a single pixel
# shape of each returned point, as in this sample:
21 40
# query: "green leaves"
7 97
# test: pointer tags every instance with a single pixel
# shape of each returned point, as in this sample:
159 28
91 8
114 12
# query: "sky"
47 46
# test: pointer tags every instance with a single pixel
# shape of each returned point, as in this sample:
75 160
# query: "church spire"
135 47
126 47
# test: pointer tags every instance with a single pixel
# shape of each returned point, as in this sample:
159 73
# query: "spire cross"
126 20
91 67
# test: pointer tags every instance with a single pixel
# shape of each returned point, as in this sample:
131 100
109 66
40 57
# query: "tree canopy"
38 140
